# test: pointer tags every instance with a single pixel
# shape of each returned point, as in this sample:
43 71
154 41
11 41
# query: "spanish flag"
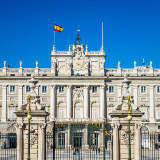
58 28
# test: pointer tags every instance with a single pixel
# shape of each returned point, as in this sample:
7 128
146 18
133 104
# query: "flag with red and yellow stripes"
58 28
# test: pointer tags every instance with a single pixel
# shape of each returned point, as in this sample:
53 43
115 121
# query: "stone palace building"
79 87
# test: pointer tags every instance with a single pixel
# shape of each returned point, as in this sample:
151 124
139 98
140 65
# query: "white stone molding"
53 102
125 136
69 101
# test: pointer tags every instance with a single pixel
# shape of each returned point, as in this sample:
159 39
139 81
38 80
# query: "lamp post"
29 117
129 117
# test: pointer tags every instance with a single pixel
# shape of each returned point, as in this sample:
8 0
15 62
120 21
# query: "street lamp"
129 117
29 117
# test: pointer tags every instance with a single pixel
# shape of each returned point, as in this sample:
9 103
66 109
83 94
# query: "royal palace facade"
78 87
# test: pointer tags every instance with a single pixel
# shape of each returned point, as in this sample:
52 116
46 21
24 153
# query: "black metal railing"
8 150
79 141
150 144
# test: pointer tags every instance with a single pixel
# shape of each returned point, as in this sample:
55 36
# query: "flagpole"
102 36
54 35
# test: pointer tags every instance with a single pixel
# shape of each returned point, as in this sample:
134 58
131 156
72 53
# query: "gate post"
124 132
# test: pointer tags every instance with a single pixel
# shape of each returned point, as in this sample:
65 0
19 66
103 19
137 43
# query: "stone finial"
151 64
36 64
69 48
20 64
135 63
86 48
4 64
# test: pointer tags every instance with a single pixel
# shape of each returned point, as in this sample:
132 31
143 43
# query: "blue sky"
131 30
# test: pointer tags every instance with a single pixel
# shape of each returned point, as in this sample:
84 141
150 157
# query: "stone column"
86 101
20 96
86 146
136 95
102 101
119 88
69 101
41 142
19 141
53 102
116 154
152 109
4 103
137 142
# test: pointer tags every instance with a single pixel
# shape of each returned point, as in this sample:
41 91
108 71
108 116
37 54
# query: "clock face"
78 64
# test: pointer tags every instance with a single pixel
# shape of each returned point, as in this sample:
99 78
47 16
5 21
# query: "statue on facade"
4 64
20 64
151 64
135 63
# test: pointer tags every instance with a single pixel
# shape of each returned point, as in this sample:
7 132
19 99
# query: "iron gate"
79 141
8 150
150 144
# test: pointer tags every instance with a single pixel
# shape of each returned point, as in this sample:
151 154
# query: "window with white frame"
95 112
129 89
61 113
78 113
111 89
158 89
144 110
158 114
61 89
12 89
94 89
143 89
28 89
44 89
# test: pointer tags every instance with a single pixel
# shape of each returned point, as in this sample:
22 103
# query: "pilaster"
152 108
86 101
69 101
119 88
135 95
53 102
102 101
137 142
4 103
116 144
20 96
19 141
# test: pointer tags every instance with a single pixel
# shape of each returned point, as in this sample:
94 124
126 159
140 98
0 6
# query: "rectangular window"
12 74
28 75
78 113
61 113
94 112
61 89
44 89
143 89
28 89
94 89
158 89
111 89
12 88
158 114
44 75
